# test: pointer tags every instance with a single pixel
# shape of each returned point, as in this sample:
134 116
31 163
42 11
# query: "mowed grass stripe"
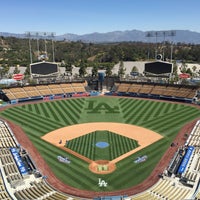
63 112
33 118
120 146
76 110
76 104
44 110
90 140
27 107
110 142
60 113
66 118
130 105
54 113
163 116
145 111
71 112
36 108
127 103
133 112
169 118
22 121
139 114
173 121
158 110
84 145
154 109
149 114
122 101
37 117
114 148
94 139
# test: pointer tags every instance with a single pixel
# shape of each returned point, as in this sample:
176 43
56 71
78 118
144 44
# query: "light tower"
163 34
45 36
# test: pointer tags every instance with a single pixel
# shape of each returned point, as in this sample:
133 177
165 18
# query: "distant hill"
182 36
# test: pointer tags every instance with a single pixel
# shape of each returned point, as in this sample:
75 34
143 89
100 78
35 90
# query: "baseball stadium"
124 140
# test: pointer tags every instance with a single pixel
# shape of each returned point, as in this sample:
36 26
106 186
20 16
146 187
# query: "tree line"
17 52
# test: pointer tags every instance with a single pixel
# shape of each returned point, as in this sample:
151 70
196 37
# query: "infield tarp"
185 160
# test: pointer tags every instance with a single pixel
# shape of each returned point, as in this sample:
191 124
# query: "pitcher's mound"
102 167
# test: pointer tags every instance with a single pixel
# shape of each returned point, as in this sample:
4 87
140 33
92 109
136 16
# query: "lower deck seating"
160 90
3 193
43 90
164 189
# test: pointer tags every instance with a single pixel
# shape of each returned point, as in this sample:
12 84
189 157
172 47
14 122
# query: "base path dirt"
143 136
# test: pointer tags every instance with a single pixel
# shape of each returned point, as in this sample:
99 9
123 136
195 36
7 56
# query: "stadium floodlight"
28 34
44 36
163 34
160 33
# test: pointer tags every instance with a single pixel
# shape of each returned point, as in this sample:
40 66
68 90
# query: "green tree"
183 68
175 76
189 71
16 70
68 67
4 70
108 71
122 70
134 69
82 70
27 71
95 71
194 68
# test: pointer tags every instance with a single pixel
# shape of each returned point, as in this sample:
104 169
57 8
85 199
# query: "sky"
89 16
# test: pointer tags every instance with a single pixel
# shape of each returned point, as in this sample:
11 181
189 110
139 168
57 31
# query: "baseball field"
82 148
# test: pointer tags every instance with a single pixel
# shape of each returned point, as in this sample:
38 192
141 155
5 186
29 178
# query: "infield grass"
41 118
86 145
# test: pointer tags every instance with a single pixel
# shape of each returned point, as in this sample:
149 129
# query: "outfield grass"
39 119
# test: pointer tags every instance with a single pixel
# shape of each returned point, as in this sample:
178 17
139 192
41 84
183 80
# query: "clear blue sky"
88 16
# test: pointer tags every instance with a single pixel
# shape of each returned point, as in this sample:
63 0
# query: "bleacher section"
3 193
164 189
50 91
168 92
40 190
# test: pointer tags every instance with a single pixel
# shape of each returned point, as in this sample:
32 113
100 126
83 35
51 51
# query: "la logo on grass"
102 183
99 107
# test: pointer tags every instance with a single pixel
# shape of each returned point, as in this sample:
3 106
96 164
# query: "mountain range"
175 36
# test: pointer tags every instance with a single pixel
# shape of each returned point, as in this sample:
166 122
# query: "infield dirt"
144 136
